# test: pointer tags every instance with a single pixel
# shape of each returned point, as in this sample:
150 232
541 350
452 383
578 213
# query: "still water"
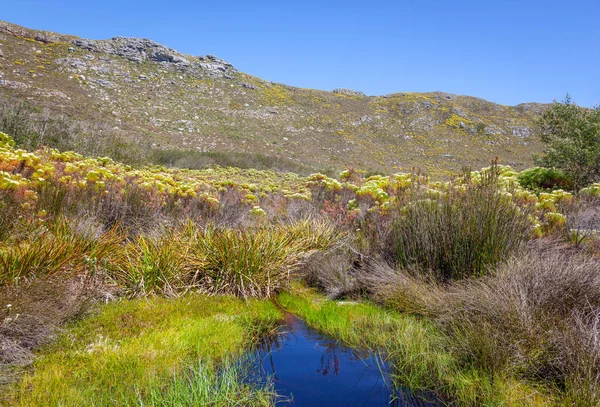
310 369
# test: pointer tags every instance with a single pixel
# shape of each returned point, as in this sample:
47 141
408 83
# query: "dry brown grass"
32 313
333 272
535 318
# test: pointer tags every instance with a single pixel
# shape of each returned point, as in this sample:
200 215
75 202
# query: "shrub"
542 179
155 265
535 319
458 234
46 252
9 215
572 134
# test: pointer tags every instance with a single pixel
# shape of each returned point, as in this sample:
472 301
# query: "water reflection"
309 369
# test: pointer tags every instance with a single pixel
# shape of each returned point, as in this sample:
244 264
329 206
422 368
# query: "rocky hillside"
147 92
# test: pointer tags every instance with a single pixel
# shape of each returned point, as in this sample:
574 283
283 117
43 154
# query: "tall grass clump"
256 262
9 215
247 262
154 264
47 251
460 233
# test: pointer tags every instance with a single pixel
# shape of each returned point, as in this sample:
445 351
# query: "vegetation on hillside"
207 112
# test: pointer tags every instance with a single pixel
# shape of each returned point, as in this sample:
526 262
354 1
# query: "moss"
126 353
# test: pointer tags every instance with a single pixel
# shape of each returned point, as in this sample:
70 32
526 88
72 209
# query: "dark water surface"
309 369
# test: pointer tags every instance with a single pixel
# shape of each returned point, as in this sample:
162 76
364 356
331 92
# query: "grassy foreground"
153 352
417 350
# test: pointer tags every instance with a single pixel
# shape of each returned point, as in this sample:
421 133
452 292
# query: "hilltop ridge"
140 90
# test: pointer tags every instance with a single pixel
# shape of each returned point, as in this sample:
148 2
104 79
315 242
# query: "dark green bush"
572 135
540 179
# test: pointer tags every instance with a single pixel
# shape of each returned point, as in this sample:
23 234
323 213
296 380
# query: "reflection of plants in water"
265 346
329 359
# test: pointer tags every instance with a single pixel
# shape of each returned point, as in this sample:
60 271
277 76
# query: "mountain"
191 107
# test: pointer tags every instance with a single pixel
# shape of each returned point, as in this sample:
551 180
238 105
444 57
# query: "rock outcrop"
348 92
134 49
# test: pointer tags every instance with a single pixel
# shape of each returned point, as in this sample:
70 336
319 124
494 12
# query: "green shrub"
6 140
540 179
154 265
572 134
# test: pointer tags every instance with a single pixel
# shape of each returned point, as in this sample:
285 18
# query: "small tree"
572 134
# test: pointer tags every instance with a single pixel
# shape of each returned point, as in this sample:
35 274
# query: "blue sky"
506 51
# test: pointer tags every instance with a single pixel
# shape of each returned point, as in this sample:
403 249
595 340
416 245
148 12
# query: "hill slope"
140 90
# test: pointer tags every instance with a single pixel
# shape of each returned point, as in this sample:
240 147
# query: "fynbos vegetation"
157 223
482 300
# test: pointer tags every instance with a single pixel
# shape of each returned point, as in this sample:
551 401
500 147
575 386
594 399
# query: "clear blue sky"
506 51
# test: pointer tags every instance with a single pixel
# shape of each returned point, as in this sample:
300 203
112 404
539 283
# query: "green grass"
416 349
53 250
153 352
256 262
203 385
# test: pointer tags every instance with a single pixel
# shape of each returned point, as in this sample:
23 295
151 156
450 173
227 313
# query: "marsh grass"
155 351
154 265
534 319
46 252
205 385
256 262
419 352
9 215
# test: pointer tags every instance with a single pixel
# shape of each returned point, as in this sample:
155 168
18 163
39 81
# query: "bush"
543 179
458 234
46 253
531 319
573 136
155 265
536 318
